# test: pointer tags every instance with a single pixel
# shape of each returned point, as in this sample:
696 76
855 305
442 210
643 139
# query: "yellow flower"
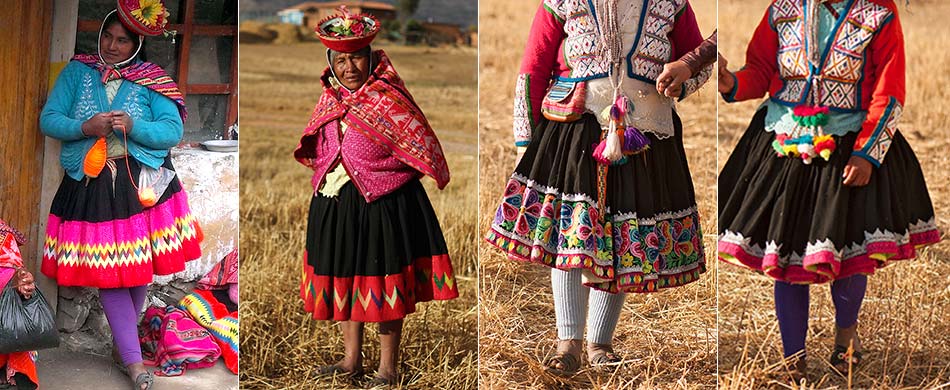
149 11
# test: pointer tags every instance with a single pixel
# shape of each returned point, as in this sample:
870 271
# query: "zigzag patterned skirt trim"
648 239
800 224
372 262
99 235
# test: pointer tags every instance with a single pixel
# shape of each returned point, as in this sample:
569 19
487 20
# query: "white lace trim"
826 245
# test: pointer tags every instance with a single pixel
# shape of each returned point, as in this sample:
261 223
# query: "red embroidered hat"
143 17
346 32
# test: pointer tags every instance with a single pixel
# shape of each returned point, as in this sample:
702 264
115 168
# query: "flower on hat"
151 12
346 32
347 25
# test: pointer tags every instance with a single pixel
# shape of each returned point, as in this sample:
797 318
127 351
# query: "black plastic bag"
26 324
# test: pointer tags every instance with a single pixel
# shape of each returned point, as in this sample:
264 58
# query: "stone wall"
211 181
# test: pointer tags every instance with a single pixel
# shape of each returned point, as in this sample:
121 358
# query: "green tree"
406 9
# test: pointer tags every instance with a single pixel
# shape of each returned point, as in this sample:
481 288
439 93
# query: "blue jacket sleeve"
165 129
55 121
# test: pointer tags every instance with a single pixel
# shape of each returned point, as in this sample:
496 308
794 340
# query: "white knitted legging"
575 304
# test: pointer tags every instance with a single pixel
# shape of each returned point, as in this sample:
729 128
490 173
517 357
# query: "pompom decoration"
809 145
147 196
824 146
95 159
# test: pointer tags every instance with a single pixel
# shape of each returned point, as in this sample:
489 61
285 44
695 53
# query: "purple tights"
791 308
122 307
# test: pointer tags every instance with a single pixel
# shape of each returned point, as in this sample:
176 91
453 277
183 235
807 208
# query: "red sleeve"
686 38
752 81
886 68
685 35
537 66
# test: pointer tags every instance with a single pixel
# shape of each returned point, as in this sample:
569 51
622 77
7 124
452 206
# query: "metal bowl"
221 145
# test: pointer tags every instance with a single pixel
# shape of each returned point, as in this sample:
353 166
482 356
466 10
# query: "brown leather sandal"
571 364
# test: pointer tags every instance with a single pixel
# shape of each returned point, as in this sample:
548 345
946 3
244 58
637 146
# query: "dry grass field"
280 344
905 319
668 339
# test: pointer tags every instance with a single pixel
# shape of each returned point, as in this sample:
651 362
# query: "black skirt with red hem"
372 262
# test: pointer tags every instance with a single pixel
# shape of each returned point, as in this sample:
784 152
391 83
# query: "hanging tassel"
613 151
619 109
599 153
634 141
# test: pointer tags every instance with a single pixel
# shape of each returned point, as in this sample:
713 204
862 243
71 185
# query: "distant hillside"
460 12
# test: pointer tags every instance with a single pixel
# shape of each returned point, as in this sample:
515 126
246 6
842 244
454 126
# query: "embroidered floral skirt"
372 262
99 235
645 236
799 223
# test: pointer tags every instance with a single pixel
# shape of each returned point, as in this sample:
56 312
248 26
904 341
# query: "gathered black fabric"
799 222
372 262
645 237
347 236
649 183
101 200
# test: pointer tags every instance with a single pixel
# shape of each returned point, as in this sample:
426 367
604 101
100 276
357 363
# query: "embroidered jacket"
388 141
862 69
79 94
563 43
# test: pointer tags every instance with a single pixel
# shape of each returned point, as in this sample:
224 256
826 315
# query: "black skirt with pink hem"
98 233
799 223
372 262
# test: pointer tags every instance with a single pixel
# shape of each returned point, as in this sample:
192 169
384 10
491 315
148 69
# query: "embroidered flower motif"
511 205
664 230
652 249
683 235
582 224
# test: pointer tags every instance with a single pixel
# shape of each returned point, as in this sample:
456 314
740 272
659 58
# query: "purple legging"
791 308
122 307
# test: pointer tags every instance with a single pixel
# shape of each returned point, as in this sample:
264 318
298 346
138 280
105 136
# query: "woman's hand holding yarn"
99 125
122 121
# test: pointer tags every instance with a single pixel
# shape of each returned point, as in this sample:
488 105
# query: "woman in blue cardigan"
120 215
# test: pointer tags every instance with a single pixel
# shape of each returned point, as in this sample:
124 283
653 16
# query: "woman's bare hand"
122 121
858 172
670 82
25 284
727 81
99 125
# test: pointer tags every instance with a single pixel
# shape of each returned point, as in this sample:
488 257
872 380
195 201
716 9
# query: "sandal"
840 359
605 356
378 382
797 369
144 378
334 370
571 364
